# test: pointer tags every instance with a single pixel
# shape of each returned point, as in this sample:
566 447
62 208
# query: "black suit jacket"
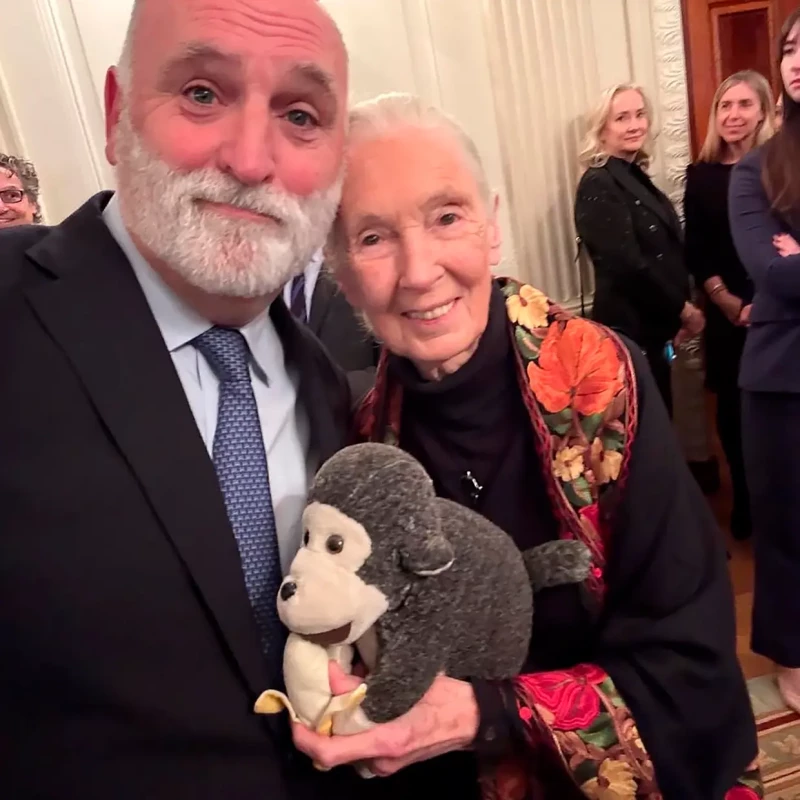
634 238
129 659
338 327
773 338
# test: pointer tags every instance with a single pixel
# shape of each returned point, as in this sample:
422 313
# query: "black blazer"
769 361
129 659
338 327
710 251
634 238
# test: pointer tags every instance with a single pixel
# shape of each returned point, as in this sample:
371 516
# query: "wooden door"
722 37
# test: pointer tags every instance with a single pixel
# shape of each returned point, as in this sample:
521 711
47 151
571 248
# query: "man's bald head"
125 66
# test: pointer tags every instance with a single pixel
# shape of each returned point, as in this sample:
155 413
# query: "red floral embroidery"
568 696
742 793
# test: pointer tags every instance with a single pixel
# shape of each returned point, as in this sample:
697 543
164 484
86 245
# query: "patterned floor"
779 740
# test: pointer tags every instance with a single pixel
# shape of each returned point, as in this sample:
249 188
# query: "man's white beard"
217 254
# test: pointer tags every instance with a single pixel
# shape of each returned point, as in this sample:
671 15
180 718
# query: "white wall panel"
518 74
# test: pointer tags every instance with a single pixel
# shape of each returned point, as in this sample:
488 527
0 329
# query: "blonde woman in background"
742 117
632 234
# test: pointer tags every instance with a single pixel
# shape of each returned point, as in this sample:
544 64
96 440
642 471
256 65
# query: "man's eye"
300 118
370 240
448 219
202 95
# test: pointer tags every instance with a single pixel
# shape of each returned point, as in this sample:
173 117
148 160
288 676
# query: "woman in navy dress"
742 116
765 221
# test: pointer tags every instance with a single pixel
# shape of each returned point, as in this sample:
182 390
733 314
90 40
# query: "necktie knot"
227 353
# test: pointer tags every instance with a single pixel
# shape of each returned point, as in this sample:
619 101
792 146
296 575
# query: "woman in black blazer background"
764 205
742 116
632 234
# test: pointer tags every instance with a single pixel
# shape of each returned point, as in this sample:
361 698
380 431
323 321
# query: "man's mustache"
259 200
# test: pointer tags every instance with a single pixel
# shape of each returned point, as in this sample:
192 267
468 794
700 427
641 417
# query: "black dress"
710 251
634 238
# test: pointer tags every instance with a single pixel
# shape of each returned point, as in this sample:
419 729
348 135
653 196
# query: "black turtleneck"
475 421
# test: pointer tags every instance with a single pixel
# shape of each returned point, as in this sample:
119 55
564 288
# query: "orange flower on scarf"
578 361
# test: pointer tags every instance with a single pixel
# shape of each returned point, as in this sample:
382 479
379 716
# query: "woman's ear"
495 233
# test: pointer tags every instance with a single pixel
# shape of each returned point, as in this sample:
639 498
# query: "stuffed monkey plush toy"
419 585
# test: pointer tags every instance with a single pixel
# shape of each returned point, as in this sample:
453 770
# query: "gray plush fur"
460 595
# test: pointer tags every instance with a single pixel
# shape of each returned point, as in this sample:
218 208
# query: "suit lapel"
324 290
623 176
96 311
302 352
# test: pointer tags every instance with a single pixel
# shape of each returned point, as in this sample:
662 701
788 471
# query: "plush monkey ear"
428 557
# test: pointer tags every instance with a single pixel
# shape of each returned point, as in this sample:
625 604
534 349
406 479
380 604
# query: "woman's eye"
300 118
370 240
448 219
202 95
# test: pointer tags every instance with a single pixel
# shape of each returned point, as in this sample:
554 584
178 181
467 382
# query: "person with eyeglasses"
19 192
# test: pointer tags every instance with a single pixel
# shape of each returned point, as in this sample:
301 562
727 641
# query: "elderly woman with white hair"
632 233
550 426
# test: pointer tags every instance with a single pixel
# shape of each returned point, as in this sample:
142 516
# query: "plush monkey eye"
335 544
306 538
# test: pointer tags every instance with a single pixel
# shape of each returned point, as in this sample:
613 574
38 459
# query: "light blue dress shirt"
284 424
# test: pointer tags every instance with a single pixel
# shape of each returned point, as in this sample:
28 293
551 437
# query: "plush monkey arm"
406 669
557 563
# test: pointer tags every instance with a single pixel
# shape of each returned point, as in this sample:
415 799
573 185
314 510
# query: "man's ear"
495 233
113 105
428 557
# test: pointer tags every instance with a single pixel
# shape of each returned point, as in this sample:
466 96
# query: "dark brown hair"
781 172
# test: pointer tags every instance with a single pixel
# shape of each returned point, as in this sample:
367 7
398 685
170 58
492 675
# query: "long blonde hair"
714 145
592 153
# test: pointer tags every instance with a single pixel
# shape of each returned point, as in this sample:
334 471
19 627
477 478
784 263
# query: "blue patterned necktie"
298 297
241 464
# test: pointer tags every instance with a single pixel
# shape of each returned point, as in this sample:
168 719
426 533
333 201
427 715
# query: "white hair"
388 113
125 63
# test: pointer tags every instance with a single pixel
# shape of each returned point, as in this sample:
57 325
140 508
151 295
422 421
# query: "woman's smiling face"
421 241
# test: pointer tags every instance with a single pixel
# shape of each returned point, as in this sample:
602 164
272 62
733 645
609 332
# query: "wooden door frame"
699 40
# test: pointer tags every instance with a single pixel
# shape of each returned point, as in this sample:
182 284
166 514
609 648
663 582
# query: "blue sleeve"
753 225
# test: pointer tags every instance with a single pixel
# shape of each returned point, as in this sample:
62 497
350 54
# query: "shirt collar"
314 267
178 322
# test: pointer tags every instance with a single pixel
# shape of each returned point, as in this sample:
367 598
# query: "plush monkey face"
322 597
372 533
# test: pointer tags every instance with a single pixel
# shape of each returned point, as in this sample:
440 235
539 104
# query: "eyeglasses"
11 196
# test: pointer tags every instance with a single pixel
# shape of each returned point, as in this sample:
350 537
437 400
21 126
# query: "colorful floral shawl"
579 386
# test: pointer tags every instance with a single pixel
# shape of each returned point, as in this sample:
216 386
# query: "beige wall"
54 53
